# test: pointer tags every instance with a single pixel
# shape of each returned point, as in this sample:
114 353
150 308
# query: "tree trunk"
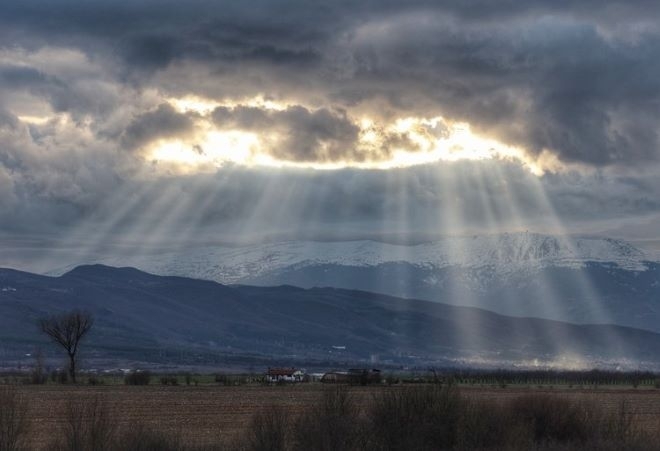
72 367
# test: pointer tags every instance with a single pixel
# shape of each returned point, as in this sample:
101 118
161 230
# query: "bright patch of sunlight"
401 143
425 141
36 120
215 148
205 106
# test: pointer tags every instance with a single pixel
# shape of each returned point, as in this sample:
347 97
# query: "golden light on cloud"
458 142
214 149
205 106
404 142
36 120
193 104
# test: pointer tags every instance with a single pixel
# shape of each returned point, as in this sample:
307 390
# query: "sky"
170 123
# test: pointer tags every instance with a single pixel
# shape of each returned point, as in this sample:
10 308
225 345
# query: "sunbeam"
363 186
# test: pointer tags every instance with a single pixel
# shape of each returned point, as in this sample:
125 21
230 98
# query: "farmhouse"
284 375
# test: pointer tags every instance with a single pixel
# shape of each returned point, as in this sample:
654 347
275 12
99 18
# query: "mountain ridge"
143 316
575 279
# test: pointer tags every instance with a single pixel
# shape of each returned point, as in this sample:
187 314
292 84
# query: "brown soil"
214 414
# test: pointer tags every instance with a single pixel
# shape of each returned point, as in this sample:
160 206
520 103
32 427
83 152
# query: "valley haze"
148 319
575 279
459 301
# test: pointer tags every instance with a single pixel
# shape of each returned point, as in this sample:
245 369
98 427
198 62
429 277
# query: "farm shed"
284 375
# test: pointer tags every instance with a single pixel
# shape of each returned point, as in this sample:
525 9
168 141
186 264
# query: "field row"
214 414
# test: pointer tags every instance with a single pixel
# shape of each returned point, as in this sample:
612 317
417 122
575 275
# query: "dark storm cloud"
18 78
8 120
160 123
12 77
547 83
580 79
302 135
577 78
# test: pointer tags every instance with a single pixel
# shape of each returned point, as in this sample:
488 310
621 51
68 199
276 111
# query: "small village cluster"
361 376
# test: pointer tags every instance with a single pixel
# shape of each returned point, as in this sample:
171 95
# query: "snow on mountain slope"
503 254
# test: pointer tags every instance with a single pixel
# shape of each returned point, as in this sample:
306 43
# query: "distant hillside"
522 274
146 317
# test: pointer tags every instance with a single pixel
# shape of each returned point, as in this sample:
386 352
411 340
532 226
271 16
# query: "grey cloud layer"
581 79
163 122
578 78
540 74
320 135
238 203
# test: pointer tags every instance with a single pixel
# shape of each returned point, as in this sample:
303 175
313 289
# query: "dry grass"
412 417
434 417
333 423
14 425
89 423
343 418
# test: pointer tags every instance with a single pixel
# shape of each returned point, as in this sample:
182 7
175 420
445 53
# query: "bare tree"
67 330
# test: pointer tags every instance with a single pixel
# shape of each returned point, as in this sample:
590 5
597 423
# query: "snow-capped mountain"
506 253
579 279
